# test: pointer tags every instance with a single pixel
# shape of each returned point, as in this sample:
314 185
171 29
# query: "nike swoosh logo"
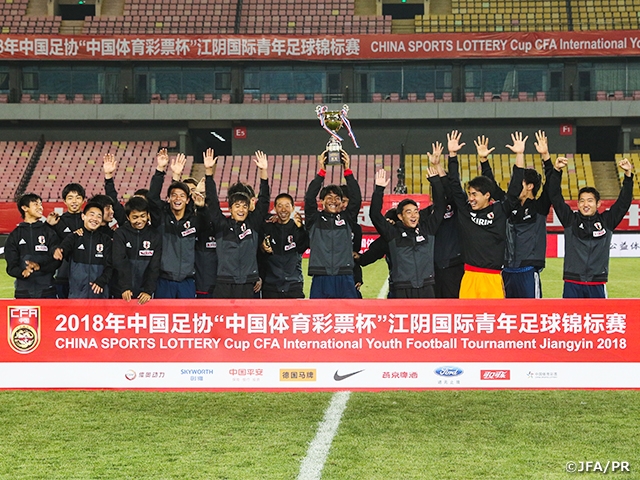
339 378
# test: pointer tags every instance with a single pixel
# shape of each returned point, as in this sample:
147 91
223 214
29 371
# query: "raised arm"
563 211
483 151
217 217
614 215
543 205
439 204
384 228
311 195
355 194
109 165
262 206
457 192
155 187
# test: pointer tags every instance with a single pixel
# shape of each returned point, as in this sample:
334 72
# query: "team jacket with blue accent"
33 242
178 236
483 232
283 267
411 249
237 242
89 256
136 258
527 228
330 235
587 239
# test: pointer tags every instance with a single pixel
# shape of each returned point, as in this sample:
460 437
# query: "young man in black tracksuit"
330 236
588 233
285 240
137 250
527 224
178 222
73 196
411 240
379 249
483 224
28 251
89 253
237 237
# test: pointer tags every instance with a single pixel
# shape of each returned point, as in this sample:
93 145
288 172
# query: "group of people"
479 243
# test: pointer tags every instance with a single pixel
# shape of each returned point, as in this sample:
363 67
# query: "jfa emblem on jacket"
599 231
23 331
146 244
42 247
99 249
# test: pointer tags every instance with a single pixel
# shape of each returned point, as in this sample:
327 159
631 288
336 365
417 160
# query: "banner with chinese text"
320 47
308 344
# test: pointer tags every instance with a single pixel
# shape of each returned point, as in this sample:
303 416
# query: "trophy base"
333 158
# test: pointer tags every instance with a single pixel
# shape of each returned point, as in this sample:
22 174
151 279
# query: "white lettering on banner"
345 323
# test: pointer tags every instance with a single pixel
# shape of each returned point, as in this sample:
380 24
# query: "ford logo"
449 371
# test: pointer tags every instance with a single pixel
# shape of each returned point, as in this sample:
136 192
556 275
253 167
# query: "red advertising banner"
321 47
216 339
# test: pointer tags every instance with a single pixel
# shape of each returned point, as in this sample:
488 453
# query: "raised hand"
198 198
297 218
453 142
436 152
518 142
53 218
482 147
432 171
542 144
381 178
209 158
177 166
346 159
109 165
625 165
162 160
261 160
322 161
561 162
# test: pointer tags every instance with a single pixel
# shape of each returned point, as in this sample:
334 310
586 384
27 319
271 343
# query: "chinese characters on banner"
268 342
320 47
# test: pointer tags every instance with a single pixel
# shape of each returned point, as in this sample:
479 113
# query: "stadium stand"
579 172
14 19
65 162
15 158
634 158
605 14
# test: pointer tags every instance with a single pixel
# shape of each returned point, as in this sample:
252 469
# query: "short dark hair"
482 184
73 187
91 204
26 200
240 187
532 177
190 181
335 189
284 195
241 197
179 185
591 190
142 191
104 200
404 203
392 214
137 204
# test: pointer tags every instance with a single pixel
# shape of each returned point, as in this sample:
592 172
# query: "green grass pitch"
385 435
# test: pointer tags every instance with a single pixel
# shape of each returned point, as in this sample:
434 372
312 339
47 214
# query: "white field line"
313 463
384 290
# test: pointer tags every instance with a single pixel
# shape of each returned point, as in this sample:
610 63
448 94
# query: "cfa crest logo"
23 328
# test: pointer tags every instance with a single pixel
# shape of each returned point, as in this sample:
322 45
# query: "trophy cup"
332 121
